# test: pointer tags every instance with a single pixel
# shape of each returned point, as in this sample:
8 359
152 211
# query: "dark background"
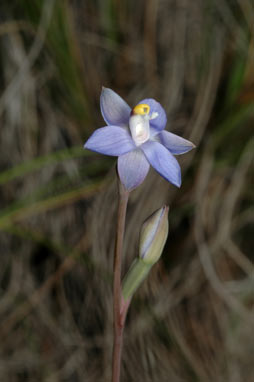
192 319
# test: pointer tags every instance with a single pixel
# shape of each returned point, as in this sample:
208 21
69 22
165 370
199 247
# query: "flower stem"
119 314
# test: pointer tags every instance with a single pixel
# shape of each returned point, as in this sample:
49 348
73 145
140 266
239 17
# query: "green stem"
119 319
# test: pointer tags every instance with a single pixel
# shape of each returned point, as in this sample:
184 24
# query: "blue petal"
110 140
132 169
154 133
160 121
163 162
114 109
175 144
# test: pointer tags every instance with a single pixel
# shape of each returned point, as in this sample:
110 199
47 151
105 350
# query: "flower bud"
153 236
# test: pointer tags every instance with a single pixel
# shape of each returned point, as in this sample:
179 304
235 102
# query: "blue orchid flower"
137 137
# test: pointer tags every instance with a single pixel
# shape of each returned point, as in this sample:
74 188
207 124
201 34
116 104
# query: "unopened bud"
153 236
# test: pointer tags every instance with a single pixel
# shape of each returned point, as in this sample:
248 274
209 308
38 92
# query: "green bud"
153 236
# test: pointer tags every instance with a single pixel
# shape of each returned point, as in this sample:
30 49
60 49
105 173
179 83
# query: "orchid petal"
175 144
114 109
110 140
154 133
163 162
160 121
132 169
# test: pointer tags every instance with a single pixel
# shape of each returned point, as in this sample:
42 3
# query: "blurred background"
192 319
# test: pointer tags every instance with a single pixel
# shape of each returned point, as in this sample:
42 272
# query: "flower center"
141 109
139 124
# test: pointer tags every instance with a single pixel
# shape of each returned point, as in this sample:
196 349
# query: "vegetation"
192 320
